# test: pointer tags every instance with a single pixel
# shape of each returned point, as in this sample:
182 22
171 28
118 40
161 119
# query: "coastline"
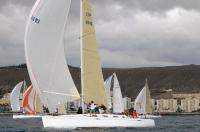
179 114
162 114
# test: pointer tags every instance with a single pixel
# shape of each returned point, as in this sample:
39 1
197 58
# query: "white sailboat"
50 76
143 103
112 84
15 97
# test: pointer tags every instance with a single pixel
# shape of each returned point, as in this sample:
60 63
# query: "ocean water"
164 124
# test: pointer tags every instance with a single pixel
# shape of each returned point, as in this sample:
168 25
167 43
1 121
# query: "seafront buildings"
5 103
177 102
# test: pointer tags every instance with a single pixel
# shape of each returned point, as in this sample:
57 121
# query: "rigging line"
87 34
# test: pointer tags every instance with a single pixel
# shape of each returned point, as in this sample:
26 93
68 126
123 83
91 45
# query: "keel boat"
50 76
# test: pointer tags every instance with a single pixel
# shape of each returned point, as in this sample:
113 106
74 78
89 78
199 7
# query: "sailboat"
30 104
112 84
50 76
15 97
143 103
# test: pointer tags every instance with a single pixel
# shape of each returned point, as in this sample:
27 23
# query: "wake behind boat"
25 116
150 116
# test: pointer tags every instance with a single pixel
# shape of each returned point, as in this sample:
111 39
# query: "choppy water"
165 124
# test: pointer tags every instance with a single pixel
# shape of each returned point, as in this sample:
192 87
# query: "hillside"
179 78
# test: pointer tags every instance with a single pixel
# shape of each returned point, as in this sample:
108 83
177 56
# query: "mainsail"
44 52
143 103
38 104
149 106
91 70
118 106
15 96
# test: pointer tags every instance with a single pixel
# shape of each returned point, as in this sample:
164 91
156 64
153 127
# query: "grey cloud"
152 5
130 33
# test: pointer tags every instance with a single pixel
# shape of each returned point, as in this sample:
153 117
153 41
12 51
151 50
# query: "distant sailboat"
50 76
112 84
15 97
30 104
143 103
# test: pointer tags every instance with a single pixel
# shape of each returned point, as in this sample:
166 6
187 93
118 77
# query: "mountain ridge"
181 79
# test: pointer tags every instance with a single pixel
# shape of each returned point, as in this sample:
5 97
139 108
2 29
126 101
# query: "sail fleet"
52 83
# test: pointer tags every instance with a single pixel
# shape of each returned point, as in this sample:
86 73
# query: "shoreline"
162 114
179 114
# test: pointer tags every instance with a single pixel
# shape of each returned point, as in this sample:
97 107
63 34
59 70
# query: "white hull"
76 121
26 116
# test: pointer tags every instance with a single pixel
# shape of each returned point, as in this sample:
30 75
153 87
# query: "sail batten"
92 77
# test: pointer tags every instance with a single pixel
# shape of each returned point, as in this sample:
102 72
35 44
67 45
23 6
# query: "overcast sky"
130 33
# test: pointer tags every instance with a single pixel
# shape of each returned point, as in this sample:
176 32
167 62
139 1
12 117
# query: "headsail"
118 106
28 102
143 103
14 97
108 84
140 102
45 56
91 70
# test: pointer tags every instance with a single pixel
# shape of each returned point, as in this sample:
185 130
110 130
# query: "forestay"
45 56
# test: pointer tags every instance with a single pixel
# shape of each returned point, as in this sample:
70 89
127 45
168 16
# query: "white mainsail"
15 96
45 56
108 85
118 106
142 102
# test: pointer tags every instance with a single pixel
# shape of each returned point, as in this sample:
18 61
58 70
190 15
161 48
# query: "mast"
81 42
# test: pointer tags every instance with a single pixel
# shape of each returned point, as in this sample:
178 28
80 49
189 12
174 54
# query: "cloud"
131 33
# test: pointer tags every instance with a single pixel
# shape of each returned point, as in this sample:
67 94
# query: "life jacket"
134 114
